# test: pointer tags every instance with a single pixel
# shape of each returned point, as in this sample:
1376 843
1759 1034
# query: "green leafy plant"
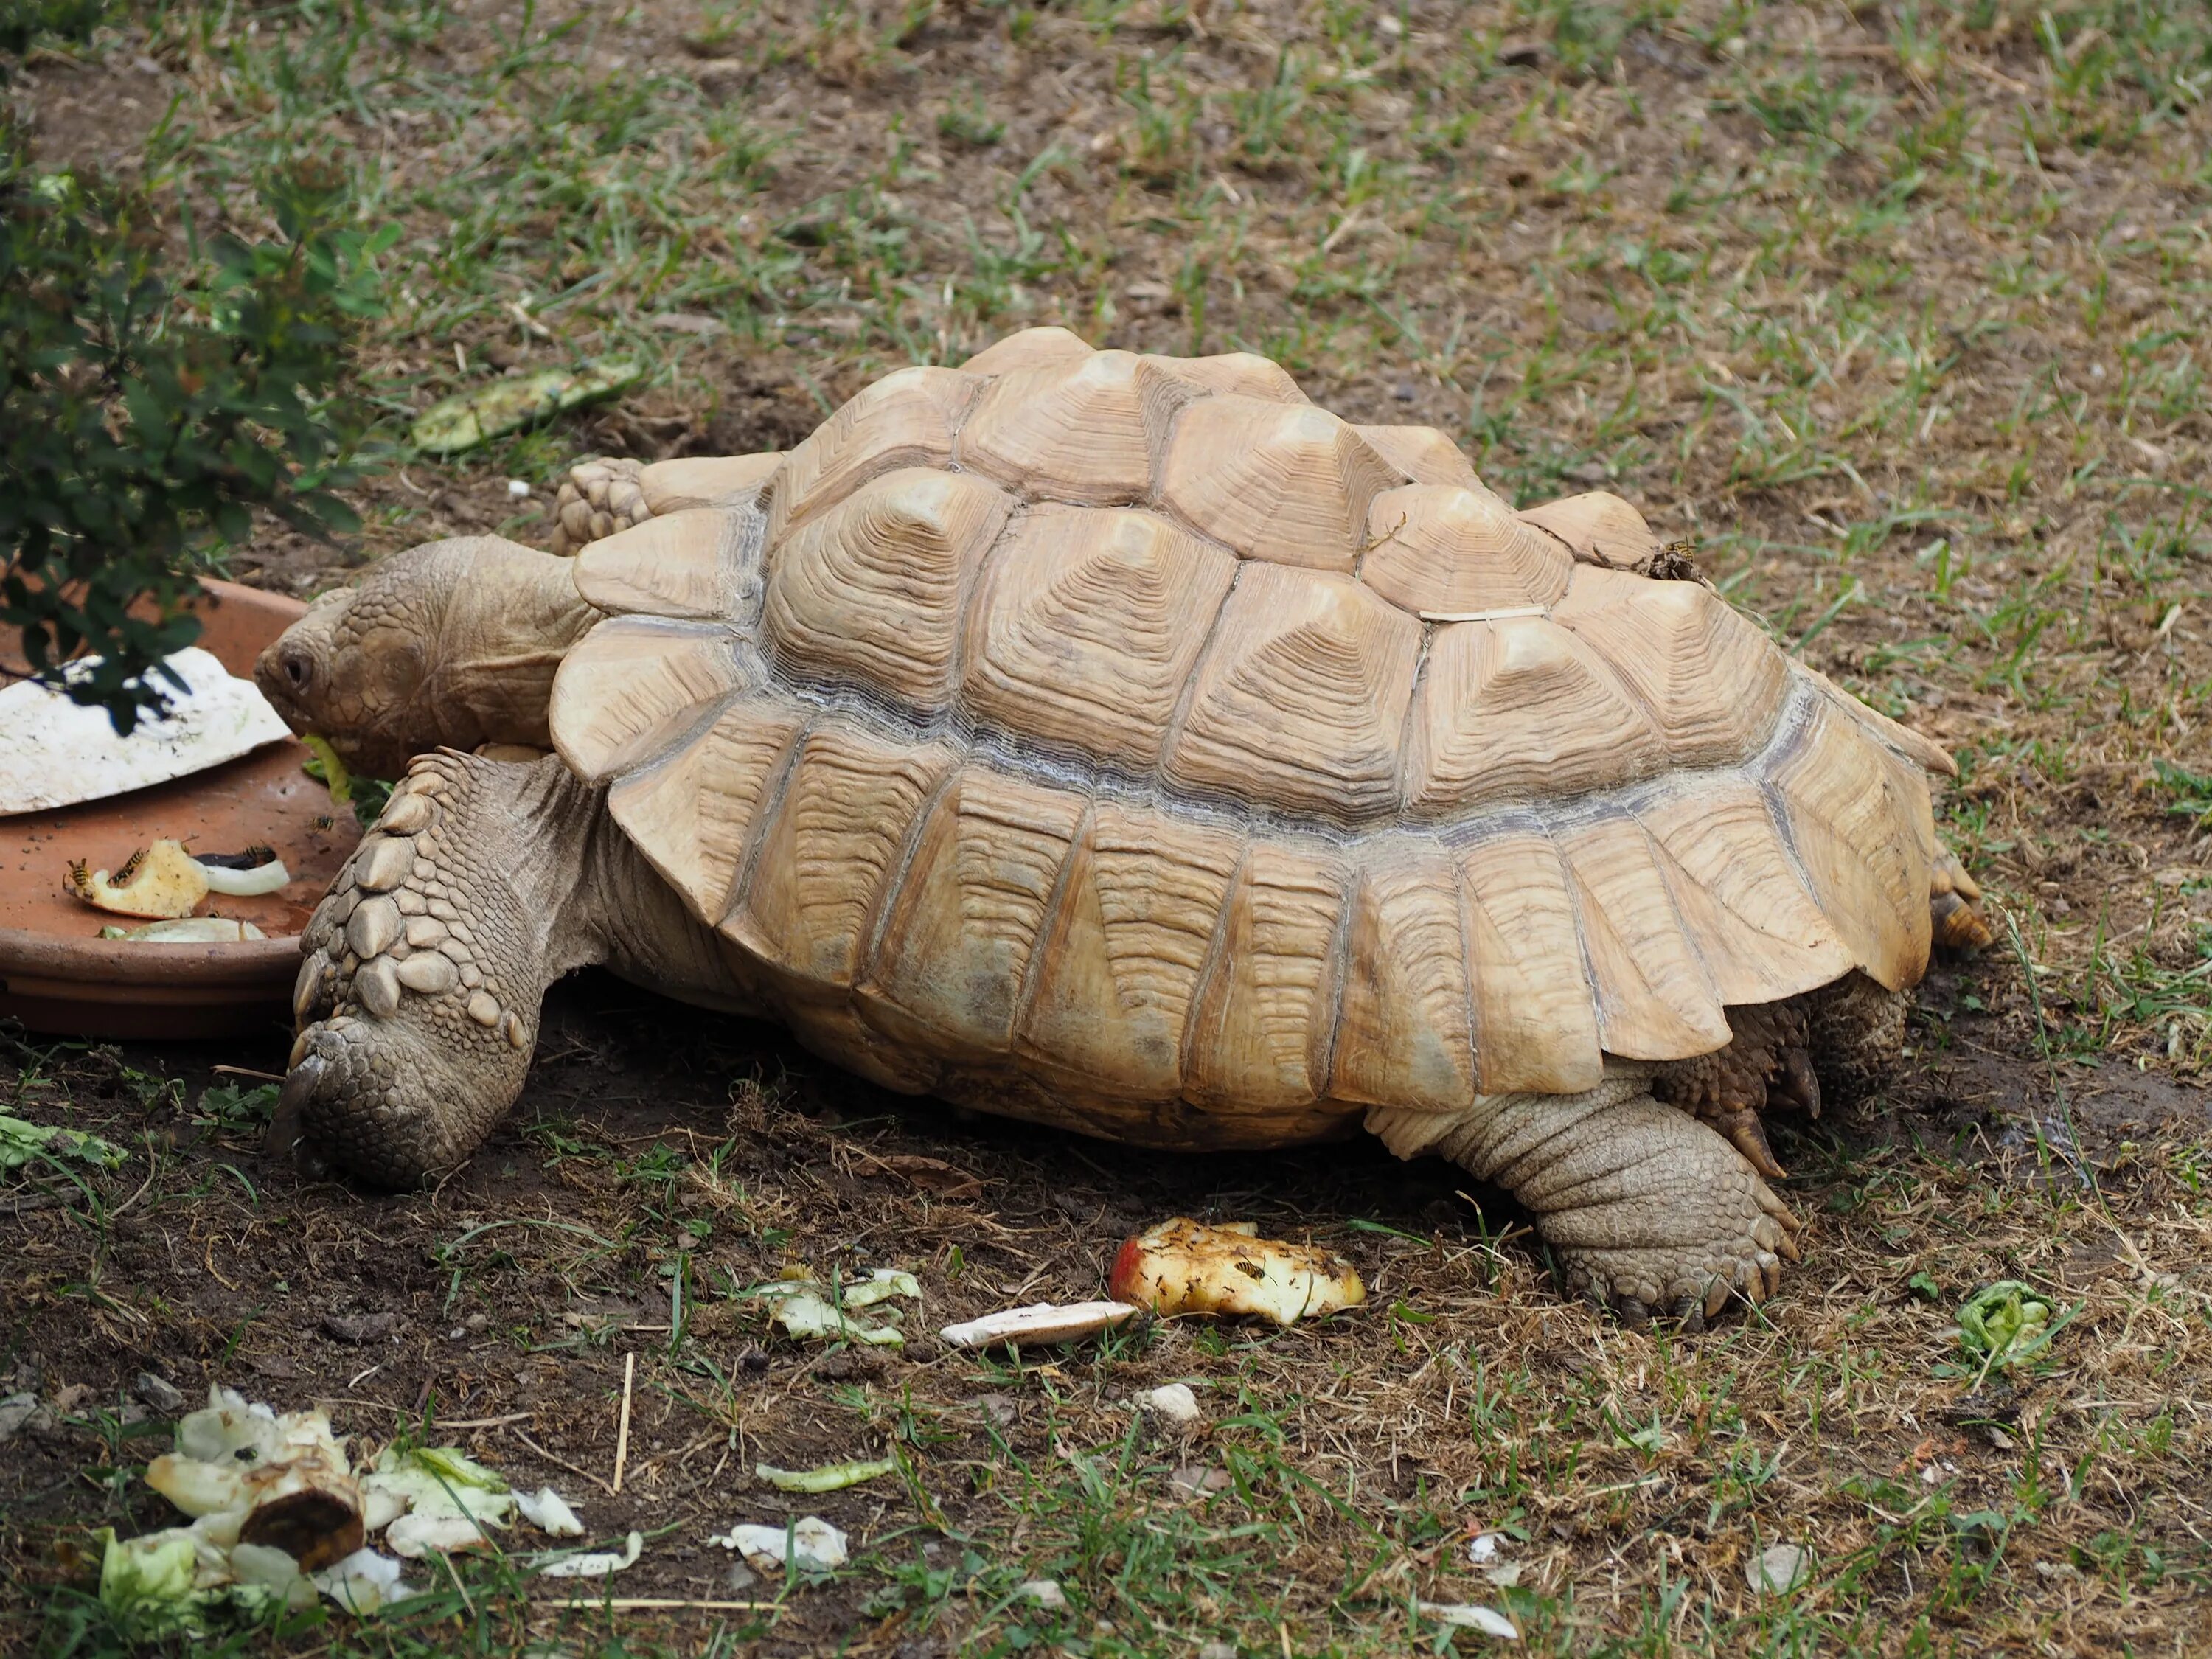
151 404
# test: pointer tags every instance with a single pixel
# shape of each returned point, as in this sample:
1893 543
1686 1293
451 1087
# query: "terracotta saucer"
57 974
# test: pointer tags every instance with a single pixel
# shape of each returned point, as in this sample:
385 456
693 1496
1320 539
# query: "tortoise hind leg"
418 1001
1649 1210
1856 1031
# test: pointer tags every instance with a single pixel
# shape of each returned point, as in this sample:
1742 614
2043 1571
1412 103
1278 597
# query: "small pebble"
516 489
158 1392
1043 1592
1173 1402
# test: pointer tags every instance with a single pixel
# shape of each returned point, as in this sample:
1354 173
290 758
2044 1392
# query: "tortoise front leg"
1648 1210
426 964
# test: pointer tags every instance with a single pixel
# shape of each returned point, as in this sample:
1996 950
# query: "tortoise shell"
1127 742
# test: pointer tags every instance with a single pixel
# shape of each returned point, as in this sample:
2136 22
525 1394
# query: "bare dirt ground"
1897 313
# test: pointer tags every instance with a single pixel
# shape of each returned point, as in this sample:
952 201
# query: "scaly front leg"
426 964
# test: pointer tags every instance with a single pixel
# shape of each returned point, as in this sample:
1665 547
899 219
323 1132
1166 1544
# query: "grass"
1899 312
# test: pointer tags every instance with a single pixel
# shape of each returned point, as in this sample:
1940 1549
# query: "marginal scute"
633 684
1600 527
1028 347
1445 552
1535 1024
1300 699
705 480
870 593
1520 709
683 564
1085 627
1852 815
1403 1036
1286 482
1423 454
692 812
1087 431
840 1034
1238 374
1923 752
1127 940
828 860
1713 682
956 949
1260 1033
1762 936
1655 999
905 419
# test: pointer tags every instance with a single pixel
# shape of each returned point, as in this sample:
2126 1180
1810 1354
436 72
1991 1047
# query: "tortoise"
1125 742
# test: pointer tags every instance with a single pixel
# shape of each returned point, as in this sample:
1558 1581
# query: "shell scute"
1129 940
954 953
1028 348
1405 1037
693 812
871 593
1713 682
1445 551
1300 699
1599 528
634 685
1087 430
1423 454
829 858
1238 374
1086 628
905 419
1260 1034
1520 709
1289 484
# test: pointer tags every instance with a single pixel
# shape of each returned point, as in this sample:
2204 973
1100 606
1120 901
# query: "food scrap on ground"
809 1543
22 1142
2005 1323
1171 1402
1461 1615
278 1512
829 1477
595 1563
1039 1325
1778 1569
1186 1266
249 874
811 1311
54 753
470 418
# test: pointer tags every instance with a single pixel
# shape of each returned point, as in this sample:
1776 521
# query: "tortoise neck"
511 621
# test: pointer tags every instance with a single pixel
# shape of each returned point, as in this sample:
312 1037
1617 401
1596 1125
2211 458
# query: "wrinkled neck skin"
452 644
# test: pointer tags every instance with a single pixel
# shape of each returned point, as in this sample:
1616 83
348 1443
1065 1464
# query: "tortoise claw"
1748 1136
1798 1086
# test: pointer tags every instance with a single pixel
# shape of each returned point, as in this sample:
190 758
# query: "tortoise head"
451 644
